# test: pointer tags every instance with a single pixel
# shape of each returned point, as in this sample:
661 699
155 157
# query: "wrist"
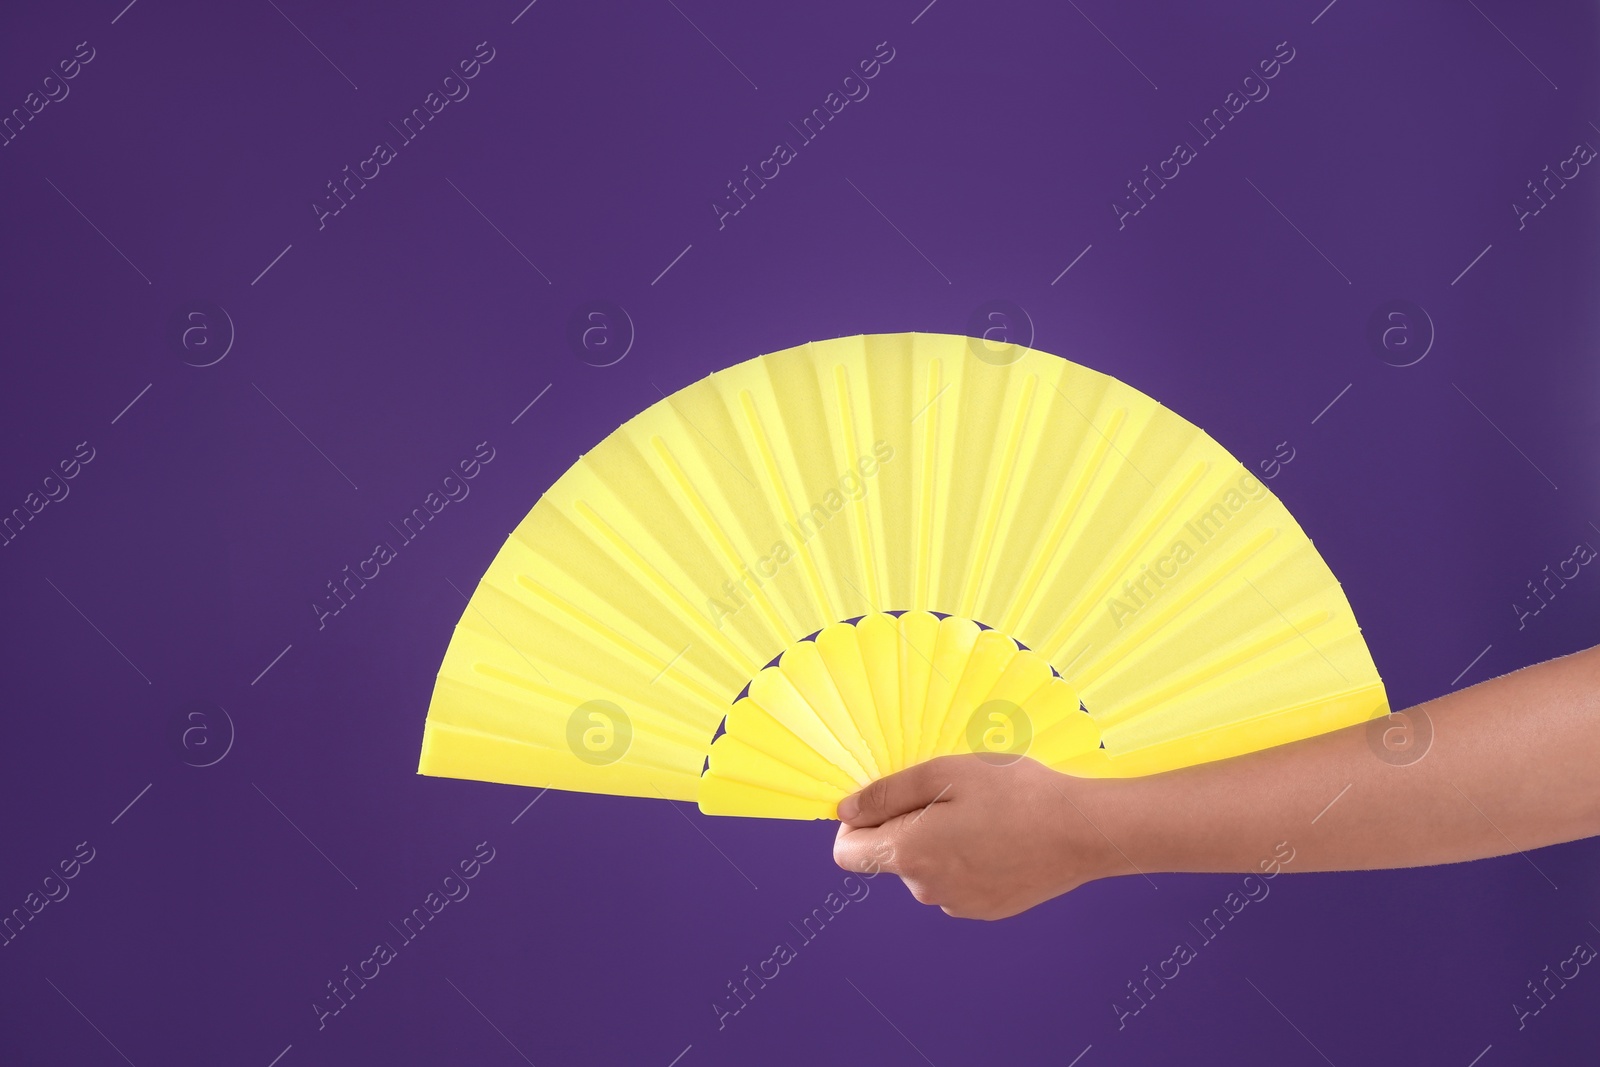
1106 828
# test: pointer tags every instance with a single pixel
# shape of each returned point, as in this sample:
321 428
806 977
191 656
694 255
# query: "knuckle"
925 866
912 865
875 797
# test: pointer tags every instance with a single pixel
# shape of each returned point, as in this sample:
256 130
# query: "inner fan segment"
865 698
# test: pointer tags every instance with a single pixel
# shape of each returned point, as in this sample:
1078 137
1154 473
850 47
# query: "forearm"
1514 764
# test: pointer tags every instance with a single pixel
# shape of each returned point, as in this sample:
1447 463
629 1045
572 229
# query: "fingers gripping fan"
845 558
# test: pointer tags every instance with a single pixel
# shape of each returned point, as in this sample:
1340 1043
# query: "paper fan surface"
993 516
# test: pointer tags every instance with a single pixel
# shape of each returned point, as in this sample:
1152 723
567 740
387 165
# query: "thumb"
896 794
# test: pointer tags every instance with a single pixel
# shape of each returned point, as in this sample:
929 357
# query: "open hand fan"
858 554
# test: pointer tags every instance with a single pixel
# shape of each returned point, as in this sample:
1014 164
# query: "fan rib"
1002 485
1135 546
860 746
962 695
645 658
772 738
779 489
882 633
916 673
500 674
795 698
663 725
667 769
643 567
760 769
730 555
1137 635
1033 586
1274 637
930 468
673 727
956 637
841 653
873 595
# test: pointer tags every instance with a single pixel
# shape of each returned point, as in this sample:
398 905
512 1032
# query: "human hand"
986 840
980 839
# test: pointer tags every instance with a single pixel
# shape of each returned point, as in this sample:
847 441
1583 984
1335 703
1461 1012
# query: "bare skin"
1513 765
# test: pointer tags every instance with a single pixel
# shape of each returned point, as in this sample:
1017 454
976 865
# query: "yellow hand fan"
859 554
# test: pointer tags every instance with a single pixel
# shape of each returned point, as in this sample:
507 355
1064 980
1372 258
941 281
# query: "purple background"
408 330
